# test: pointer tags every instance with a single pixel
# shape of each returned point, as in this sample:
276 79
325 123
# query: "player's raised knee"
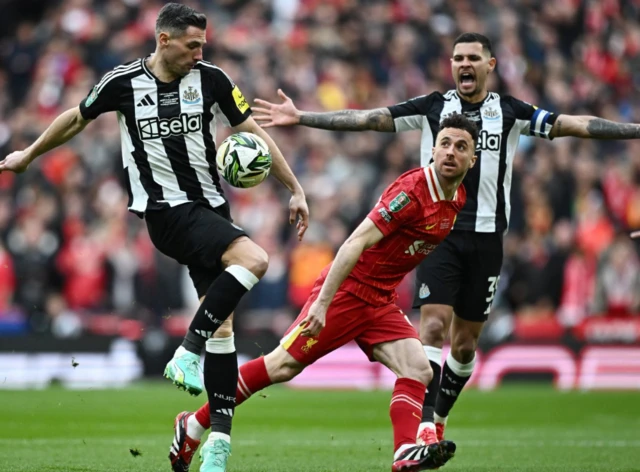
259 262
246 253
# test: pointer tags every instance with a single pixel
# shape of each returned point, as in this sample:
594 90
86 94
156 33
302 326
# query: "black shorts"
195 235
462 272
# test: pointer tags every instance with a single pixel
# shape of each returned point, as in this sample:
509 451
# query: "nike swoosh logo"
430 227
414 414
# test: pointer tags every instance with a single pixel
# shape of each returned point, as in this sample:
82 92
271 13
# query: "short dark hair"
459 121
176 18
475 38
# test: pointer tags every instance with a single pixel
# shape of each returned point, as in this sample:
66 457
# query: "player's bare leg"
435 321
406 359
458 366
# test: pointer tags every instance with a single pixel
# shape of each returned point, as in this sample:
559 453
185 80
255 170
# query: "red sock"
252 377
406 411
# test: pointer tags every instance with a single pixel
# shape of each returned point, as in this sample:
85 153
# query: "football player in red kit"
354 300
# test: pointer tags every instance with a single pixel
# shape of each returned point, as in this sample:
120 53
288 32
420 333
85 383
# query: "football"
243 159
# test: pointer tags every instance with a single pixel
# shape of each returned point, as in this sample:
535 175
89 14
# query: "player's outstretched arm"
63 128
286 114
582 126
364 236
298 208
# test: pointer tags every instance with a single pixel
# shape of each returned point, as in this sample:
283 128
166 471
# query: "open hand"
269 114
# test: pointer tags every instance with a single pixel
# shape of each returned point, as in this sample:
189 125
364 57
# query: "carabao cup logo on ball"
243 160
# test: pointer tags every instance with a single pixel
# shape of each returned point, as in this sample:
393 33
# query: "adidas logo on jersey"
146 101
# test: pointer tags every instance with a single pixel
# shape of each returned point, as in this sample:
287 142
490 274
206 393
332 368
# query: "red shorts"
348 318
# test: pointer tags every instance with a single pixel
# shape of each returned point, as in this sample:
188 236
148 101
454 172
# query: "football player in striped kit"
167 105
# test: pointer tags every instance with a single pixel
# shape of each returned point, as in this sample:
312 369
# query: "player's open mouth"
467 79
449 164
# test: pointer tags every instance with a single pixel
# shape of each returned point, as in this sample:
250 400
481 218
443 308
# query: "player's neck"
158 68
448 186
477 98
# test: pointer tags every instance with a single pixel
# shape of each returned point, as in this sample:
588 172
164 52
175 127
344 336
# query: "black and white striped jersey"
168 131
500 120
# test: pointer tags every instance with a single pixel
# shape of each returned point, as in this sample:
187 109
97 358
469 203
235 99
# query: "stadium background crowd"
72 259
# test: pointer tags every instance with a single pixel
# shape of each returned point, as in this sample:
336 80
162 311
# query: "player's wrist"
296 190
323 302
301 117
30 154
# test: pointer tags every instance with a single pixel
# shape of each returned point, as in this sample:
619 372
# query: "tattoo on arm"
557 128
350 120
605 129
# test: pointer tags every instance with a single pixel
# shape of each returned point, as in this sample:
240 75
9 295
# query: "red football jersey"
414 217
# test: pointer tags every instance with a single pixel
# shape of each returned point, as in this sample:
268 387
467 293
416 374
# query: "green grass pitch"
517 428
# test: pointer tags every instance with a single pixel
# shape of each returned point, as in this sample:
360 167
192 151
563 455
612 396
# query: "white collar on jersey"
435 189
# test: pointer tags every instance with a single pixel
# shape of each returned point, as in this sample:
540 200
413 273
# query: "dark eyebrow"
473 57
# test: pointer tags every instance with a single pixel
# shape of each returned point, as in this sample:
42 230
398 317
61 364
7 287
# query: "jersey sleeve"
533 121
410 115
103 97
229 98
397 205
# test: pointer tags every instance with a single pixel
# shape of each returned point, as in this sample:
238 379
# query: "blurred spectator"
71 250
618 280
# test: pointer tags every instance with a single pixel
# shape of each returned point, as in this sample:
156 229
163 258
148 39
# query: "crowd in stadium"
69 249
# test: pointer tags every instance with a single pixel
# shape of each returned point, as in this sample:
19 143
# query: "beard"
469 93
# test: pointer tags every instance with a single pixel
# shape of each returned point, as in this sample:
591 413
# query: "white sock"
401 449
439 419
213 435
243 275
461 370
434 354
194 429
221 345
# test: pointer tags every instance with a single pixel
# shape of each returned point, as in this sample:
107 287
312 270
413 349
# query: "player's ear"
473 160
492 64
163 38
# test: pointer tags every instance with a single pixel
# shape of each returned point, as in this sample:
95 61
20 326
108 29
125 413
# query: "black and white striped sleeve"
533 121
105 95
227 95
410 115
